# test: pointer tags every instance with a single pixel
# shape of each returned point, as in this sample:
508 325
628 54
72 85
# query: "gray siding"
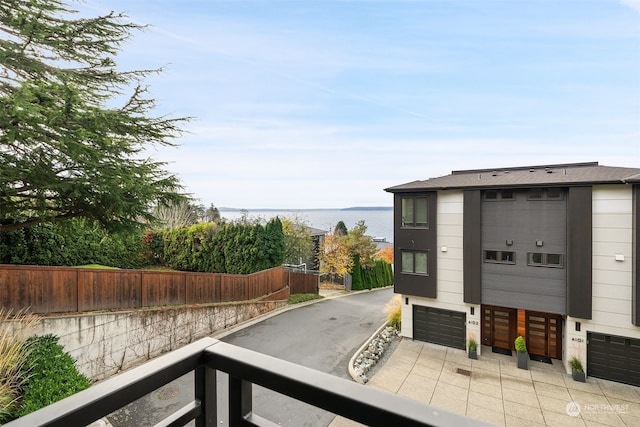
635 308
524 222
579 248
472 249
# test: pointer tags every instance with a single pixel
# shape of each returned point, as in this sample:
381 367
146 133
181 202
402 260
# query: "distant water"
379 222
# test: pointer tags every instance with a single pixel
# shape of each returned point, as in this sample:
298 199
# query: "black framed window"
415 212
499 257
415 262
497 195
537 259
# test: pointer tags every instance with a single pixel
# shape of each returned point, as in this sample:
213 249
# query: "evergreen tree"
340 229
74 128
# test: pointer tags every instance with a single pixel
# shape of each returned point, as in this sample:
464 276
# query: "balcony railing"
208 356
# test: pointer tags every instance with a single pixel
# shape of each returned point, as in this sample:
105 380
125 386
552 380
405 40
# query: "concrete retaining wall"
106 343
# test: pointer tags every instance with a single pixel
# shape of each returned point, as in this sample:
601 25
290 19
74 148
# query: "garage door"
613 358
444 327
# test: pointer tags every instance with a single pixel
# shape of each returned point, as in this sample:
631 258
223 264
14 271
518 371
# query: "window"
415 212
553 193
536 259
414 262
500 257
506 194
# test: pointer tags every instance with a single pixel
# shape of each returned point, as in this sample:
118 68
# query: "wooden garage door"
613 358
438 326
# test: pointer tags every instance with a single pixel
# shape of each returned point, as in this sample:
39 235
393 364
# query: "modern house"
546 252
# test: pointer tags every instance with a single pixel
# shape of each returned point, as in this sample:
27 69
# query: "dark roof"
572 174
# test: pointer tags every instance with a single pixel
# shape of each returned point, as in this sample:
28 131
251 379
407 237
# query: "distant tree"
386 254
212 214
359 244
74 127
298 242
340 229
334 257
176 215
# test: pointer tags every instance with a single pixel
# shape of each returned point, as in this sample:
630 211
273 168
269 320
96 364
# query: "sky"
324 104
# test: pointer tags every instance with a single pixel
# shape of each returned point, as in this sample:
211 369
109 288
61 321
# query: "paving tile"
411 345
418 388
521 422
456 379
482 413
601 416
555 378
591 385
625 407
518 384
521 411
389 379
529 399
585 398
450 404
513 371
426 372
629 420
550 404
448 391
489 402
554 419
620 391
551 390
486 388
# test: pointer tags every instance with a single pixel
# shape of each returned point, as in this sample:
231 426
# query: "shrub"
13 354
50 375
394 312
298 298
521 345
576 364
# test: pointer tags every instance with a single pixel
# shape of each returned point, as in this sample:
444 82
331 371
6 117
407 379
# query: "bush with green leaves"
376 276
50 375
234 248
74 242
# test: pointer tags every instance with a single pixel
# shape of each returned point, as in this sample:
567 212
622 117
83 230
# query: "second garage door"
438 326
613 358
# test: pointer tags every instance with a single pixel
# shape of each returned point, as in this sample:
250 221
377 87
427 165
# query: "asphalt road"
321 336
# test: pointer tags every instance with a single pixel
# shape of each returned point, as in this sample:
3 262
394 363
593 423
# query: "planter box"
523 360
473 354
579 376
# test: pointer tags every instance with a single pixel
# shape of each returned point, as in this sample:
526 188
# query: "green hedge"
74 242
378 276
50 375
234 248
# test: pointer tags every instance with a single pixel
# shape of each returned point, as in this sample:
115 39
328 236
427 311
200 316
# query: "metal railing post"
206 393
240 401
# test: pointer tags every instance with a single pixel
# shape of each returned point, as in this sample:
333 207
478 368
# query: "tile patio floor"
496 391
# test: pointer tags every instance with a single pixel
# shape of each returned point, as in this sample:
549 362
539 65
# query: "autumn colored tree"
359 244
335 258
386 254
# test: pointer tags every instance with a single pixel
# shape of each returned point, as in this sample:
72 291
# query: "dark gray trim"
635 267
579 252
416 239
472 246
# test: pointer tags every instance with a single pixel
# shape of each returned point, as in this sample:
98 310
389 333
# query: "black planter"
523 360
473 354
578 376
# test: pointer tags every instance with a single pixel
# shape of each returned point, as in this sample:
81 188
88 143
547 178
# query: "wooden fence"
66 289
303 283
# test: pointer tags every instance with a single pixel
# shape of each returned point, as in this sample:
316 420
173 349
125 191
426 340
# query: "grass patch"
97 266
298 298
